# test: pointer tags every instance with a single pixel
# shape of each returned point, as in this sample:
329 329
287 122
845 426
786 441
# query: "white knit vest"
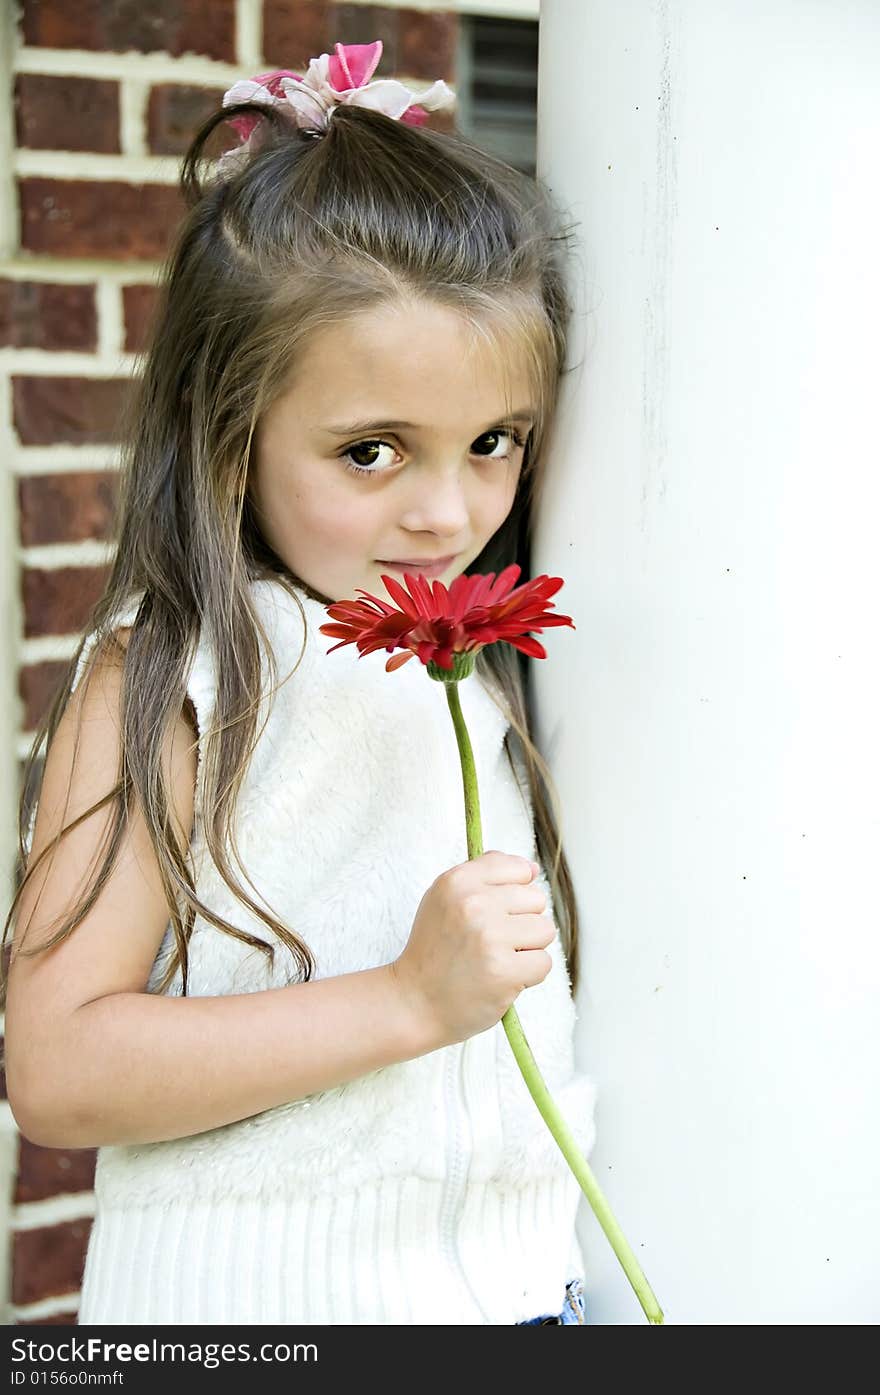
430 1191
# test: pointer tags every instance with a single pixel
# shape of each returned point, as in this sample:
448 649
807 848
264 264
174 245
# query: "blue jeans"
572 1308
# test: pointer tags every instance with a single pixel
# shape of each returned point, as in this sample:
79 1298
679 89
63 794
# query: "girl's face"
392 444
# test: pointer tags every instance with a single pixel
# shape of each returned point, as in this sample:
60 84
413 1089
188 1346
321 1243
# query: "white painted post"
713 724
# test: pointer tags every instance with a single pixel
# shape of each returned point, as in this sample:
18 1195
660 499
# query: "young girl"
252 963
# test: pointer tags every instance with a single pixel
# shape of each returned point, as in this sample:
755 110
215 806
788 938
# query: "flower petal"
403 597
399 660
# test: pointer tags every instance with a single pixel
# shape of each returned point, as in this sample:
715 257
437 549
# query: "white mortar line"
45 1308
24 266
249 35
50 556
147 67
67 363
63 459
154 68
133 95
111 323
39 649
53 1210
89 166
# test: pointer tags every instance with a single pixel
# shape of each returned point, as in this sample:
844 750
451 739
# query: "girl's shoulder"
119 624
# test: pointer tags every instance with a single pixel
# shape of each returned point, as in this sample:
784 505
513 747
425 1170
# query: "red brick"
138 304
174 114
48 1261
296 30
37 686
44 315
66 508
98 218
67 113
363 24
79 411
169 26
60 601
427 44
48 1172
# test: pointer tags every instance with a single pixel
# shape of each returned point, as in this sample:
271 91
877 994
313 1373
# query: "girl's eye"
366 447
371 467
514 436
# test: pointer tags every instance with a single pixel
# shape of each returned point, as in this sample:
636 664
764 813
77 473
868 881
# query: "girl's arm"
94 1059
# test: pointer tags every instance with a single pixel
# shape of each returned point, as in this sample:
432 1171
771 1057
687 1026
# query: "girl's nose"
438 506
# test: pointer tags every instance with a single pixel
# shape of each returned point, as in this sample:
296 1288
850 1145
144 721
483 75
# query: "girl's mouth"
429 569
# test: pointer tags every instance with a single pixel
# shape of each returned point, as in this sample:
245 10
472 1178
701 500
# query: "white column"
714 723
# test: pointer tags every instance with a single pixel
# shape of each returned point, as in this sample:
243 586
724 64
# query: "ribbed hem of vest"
391 1252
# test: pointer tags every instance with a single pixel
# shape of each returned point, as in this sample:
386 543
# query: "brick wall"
105 97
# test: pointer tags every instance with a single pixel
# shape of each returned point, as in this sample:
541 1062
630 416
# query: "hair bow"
332 80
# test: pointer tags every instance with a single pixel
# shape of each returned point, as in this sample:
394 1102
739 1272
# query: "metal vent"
497 83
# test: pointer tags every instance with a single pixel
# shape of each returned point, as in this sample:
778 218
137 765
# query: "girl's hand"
478 939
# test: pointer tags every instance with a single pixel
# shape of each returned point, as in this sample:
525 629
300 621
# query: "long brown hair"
302 233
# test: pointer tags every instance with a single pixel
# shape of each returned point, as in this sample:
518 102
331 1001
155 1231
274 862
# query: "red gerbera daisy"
435 622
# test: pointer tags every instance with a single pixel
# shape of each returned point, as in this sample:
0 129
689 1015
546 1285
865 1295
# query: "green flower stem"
523 1053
